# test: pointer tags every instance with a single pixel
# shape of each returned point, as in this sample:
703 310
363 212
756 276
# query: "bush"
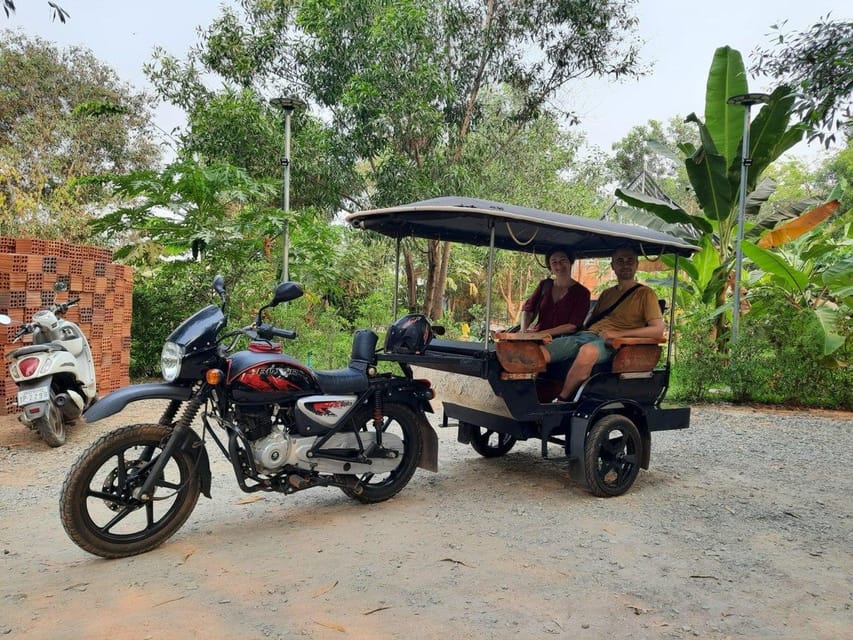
697 365
777 360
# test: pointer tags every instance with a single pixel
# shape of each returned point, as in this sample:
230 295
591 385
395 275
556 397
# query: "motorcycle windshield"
203 325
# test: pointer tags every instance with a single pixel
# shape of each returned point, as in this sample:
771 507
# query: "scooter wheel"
51 426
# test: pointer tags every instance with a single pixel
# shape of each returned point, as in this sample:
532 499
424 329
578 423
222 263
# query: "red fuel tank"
268 378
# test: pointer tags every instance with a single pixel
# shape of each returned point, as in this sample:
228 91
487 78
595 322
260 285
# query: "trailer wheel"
612 456
491 444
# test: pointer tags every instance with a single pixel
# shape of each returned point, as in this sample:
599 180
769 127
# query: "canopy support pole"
396 279
489 287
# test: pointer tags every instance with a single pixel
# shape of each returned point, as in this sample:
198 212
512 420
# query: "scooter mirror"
4 319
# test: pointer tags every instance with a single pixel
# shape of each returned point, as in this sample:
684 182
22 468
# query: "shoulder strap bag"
603 314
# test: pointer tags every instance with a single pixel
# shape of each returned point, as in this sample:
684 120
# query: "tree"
404 83
639 150
818 64
63 115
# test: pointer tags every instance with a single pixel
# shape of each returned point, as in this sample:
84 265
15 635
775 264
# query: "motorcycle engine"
271 453
270 442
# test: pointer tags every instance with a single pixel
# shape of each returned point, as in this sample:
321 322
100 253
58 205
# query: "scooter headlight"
170 360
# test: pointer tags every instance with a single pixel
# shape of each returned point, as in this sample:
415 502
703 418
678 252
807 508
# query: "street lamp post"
746 100
288 105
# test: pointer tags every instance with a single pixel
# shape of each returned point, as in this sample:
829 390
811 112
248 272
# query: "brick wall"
28 270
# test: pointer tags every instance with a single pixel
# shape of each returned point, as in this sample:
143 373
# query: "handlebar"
267 331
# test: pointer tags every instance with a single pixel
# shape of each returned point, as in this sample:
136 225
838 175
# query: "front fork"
144 492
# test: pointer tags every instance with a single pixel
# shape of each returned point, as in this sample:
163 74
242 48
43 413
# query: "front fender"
117 400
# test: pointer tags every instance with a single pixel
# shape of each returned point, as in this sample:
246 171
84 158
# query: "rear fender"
416 395
118 400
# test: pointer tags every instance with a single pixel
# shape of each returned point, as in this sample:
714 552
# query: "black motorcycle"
286 428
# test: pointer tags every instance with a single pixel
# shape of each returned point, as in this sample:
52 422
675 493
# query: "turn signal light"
28 366
213 376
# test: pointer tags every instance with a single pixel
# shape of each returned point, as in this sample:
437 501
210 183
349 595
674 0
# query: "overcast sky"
680 38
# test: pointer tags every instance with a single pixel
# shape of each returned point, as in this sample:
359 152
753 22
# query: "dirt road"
740 529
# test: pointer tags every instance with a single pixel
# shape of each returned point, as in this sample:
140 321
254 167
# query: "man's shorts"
567 347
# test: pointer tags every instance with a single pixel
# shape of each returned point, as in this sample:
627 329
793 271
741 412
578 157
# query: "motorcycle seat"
349 380
39 348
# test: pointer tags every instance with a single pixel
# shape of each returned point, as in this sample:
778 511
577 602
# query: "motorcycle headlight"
170 360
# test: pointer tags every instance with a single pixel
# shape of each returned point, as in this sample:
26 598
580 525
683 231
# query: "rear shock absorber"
378 421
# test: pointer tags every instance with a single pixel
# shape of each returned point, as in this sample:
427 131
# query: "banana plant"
714 167
812 268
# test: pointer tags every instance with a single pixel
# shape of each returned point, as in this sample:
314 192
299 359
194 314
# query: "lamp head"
288 103
749 99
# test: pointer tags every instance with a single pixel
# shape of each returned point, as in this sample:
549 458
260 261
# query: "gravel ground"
740 529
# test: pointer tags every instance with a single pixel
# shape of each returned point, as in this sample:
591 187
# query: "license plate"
29 396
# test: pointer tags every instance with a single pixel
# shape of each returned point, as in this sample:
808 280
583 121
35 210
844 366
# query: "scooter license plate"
29 396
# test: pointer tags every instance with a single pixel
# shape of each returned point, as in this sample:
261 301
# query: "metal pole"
491 270
744 167
285 198
746 100
288 105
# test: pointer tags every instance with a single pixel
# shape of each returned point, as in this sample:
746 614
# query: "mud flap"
429 454
194 446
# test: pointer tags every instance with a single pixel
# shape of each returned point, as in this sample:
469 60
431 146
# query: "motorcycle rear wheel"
402 422
51 426
97 506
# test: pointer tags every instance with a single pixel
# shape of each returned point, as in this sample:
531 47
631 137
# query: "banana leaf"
726 78
666 211
786 275
798 226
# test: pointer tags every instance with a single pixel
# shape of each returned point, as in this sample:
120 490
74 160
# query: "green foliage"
778 359
819 63
189 206
161 301
697 366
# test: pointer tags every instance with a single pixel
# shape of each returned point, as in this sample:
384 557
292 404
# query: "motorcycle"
286 427
55 374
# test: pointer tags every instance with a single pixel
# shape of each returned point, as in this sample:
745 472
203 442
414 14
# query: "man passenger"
638 315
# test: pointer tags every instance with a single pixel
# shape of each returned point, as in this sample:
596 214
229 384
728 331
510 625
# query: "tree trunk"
441 282
438 258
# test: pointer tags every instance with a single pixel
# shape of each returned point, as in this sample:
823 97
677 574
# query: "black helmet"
410 334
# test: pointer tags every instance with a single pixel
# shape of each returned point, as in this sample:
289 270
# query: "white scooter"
55 375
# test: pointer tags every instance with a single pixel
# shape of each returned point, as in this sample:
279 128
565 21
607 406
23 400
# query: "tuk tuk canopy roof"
469 221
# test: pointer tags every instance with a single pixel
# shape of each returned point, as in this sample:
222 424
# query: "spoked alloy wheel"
97 506
51 426
491 444
402 422
612 456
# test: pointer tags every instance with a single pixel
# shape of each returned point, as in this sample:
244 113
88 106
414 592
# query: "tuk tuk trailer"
500 390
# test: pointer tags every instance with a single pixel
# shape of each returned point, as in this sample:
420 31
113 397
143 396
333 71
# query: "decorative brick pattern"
28 270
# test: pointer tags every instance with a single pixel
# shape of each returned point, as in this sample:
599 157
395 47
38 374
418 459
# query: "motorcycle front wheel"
97 506
402 422
51 426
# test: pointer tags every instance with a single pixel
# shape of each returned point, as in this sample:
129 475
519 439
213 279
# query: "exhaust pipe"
69 408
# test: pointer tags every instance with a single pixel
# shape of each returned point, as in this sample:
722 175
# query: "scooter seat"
47 347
